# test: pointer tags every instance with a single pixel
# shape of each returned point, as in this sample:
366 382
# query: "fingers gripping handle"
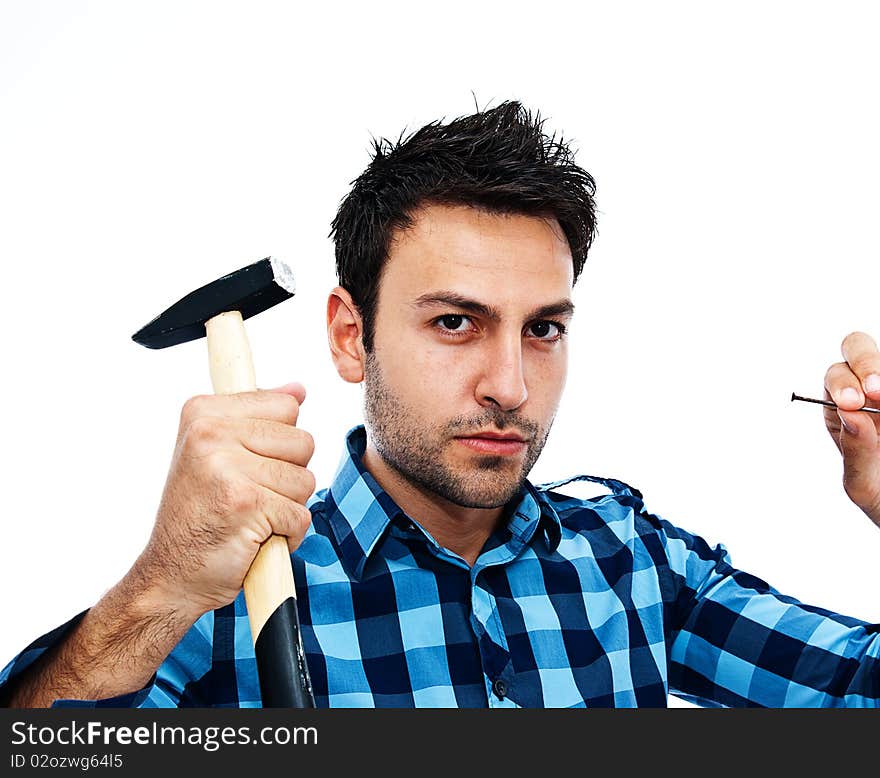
268 586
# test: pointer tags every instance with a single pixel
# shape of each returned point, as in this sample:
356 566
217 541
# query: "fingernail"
872 383
849 396
846 425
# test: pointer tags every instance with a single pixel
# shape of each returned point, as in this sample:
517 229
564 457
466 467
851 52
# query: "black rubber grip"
281 662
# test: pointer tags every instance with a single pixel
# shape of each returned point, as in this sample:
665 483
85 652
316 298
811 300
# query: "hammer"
217 311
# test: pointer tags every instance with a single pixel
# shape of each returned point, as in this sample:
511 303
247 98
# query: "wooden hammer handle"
268 585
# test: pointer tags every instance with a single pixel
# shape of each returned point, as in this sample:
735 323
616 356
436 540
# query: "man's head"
456 252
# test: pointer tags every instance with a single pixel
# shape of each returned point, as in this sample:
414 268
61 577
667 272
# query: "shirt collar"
359 511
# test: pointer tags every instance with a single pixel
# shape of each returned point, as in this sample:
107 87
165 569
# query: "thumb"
295 388
861 460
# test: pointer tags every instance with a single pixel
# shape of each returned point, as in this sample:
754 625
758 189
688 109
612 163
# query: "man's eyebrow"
561 308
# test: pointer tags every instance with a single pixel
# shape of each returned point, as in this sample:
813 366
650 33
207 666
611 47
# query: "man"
431 572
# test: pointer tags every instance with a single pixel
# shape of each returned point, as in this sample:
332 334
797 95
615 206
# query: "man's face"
469 360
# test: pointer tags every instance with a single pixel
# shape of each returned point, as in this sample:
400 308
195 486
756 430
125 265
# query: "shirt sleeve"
176 683
736 641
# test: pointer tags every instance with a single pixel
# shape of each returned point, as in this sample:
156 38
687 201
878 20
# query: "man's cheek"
443 367
546 381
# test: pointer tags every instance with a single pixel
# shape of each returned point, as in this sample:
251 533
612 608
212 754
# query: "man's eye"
453 322
546 330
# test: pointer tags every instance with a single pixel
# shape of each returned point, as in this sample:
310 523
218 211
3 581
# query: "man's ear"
345 335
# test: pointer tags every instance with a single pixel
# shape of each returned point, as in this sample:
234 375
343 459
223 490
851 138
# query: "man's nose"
502 383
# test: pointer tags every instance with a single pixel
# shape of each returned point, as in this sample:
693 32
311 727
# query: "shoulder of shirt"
614 485
625 504
621 495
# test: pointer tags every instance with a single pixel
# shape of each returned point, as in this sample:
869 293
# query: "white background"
147 148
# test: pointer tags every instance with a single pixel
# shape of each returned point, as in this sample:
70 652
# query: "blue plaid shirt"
572 602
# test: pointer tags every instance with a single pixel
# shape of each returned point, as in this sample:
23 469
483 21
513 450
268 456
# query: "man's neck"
461 530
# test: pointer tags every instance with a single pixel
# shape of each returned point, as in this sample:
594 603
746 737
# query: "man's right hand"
238 475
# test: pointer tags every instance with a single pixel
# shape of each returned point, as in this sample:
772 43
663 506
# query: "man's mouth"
497 443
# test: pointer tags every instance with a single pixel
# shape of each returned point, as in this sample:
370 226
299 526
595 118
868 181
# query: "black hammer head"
250 291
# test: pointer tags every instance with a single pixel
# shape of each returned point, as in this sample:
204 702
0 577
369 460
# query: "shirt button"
500 688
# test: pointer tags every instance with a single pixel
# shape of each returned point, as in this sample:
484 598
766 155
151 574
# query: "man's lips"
503 443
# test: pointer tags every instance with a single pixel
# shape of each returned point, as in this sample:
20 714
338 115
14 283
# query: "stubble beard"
416 449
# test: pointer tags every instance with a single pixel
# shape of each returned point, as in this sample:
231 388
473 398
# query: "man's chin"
482 502
478 491
491 462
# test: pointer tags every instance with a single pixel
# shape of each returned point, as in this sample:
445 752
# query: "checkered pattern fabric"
571 603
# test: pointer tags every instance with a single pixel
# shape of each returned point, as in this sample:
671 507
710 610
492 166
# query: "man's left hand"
855 384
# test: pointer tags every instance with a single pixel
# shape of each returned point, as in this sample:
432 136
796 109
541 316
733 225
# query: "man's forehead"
453 246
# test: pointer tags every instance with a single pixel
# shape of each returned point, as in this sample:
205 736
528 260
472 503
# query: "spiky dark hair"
498 159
